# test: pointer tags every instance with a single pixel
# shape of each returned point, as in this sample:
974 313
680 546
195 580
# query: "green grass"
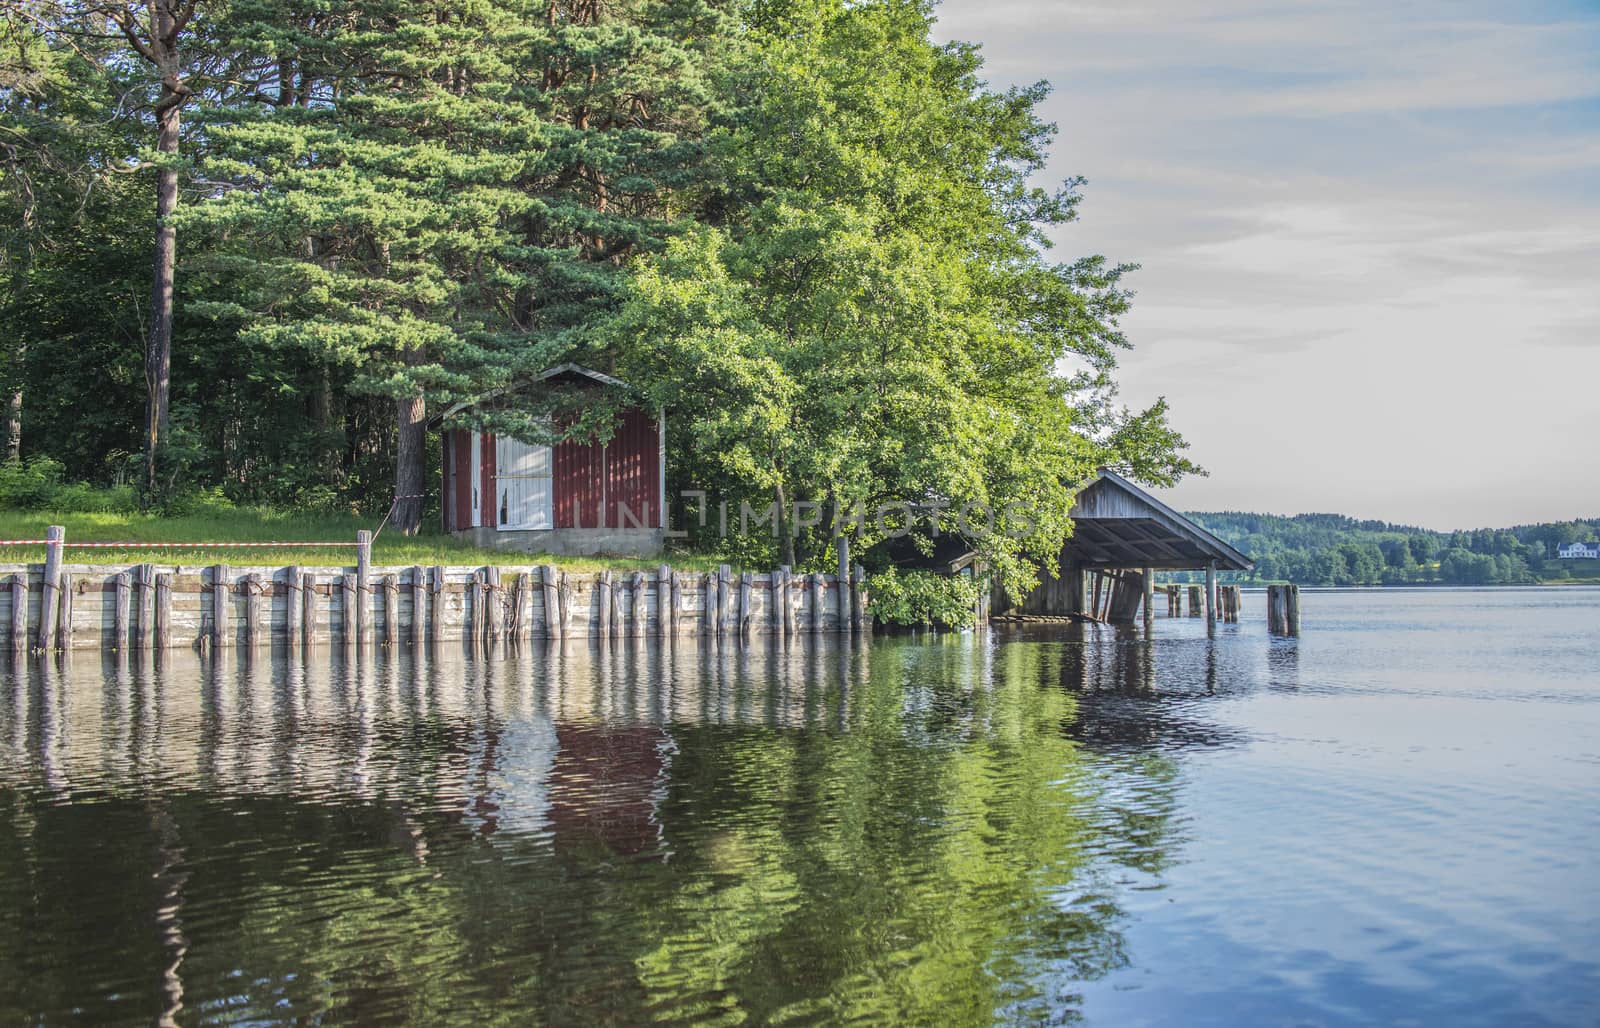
245 525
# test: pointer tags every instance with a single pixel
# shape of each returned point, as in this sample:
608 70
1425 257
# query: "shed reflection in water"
902 830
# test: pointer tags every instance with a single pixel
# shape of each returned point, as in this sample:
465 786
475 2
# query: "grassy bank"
247 525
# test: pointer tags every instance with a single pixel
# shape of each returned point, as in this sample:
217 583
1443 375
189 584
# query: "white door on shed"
523 474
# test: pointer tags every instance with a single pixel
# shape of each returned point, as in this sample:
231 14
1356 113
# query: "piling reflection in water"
897 830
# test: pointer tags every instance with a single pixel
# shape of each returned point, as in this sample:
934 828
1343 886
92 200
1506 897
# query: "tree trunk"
410 463
14 417
158 351
785 531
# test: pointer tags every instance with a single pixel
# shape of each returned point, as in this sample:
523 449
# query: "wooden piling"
364 586
19 613
786 607
252 609
1194 601
708 622
522 610
350 621
163 614
50 588
476 629
292 607
602 602
493 606
724 599
747 585
1292 609
1211 598
221 629
391 616
819 587
308 607
677 600
419 606
435 603
1149 598
144 605
119 621
841 548
63 626
618 623
552 602
641 608
665 608
858 607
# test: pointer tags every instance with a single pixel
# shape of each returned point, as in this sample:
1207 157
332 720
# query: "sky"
1368 236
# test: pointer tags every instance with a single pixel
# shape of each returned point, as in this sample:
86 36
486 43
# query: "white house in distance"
1578 551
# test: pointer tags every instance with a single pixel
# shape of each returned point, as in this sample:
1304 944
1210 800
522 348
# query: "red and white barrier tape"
24 542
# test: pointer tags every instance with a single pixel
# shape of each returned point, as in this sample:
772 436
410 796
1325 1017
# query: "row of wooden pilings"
1283 605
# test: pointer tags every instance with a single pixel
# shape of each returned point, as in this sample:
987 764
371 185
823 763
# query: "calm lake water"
1393 819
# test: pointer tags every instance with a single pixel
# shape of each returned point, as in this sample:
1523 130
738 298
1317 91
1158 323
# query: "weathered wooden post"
50 588
64 621
1149 599
19 612
308 607
819 599
119 616
841 549
475 627
291 607
747 586
350 622
419 606
163 618
391 616
252 609
436 603
665 609
787 607
641 609
724 599
1292 609
708 622
552 603
221 629
618 627
1211 597
145 579
364 586
677 600
602 594
522 613
564 606
493 605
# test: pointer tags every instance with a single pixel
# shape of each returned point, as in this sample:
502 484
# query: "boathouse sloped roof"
1118 525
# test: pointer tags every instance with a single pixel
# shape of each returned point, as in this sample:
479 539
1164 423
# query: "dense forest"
252 246
1331 549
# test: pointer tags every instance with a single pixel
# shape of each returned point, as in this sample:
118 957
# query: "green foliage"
37 484
923 598
1334 550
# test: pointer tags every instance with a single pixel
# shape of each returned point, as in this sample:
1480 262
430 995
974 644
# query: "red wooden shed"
575 498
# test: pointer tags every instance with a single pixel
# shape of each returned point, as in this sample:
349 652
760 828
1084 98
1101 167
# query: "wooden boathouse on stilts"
1121 536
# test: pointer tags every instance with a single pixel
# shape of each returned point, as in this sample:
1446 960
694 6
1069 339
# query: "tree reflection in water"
906 830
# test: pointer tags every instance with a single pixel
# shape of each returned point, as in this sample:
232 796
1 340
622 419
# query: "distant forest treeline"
1332 549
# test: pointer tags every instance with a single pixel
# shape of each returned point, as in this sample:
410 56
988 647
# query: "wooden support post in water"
119 620
858 606
435 603
747 586
475 604
51 587
292 607
618 617
775 608
419 606
308 607
819 594
252 609
602 601
364 586
1211 598
564 594
522 611
641 608
64 620
145 605
494 616
665 608
350 620
1292 609
724 599
221 629
786 607
163 616
1149 599
1194 601
19 612
841 548
391 615
708 623
552 602
676 600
